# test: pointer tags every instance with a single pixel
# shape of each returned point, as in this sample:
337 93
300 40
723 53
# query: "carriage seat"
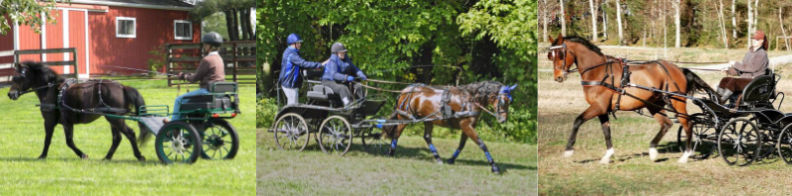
219 98
760 89
320 92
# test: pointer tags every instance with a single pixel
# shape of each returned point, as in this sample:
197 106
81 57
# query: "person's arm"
358 72
754 64
203 69
299 61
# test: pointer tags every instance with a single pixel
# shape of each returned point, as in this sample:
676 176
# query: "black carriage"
332 124
748 129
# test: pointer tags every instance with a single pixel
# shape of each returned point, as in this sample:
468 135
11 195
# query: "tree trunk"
734 19
783 30
229 14
750 25
722 23
619 22
593 11
544 19
677 5
604 21
563 18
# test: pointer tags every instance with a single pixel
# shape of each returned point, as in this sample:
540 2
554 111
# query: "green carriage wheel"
178 142
220 140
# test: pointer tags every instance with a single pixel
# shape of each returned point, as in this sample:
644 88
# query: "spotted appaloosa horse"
598 71
466 102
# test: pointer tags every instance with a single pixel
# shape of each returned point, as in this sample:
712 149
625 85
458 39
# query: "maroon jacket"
210 70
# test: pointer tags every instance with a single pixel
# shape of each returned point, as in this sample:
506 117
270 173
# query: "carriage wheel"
291 132
335 135
784 144
704 136
178 142
739 142
220 140
373 141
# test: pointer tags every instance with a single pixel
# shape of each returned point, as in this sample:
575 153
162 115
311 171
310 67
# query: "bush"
266 109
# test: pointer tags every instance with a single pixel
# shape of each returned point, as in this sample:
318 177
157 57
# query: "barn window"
125 27
182 29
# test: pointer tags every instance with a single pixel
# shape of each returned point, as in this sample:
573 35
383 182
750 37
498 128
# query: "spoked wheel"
220 140
704 136
739 142
784 144
373 141
335 135
178 142
291 132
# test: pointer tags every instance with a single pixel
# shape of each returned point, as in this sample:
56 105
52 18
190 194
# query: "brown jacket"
210 70
753 64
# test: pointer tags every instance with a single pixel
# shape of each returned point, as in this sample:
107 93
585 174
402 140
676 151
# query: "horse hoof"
684 158
496 170
450 161
142 159
84 156
652 154
42 157
568 153
604 161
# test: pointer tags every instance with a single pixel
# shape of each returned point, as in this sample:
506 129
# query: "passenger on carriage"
339 70
755 63
209 70
290 78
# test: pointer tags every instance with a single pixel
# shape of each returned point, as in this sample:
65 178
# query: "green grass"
411 172
631 172
22 136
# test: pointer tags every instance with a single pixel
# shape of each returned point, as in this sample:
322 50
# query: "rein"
48 85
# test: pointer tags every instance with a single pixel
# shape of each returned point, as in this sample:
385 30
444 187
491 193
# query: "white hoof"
569 153
606 159
684 158
652 154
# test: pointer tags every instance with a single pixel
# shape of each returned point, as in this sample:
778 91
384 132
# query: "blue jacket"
338 69
290 68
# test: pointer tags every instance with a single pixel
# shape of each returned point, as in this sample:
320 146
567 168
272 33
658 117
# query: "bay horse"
80 103
598 72
452 107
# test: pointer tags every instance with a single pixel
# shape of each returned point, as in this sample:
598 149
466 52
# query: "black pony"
81 102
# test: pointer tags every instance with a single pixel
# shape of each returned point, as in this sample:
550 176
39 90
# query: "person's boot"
345 101
724 95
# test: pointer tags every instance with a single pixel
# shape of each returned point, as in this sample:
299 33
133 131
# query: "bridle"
21 76
563 50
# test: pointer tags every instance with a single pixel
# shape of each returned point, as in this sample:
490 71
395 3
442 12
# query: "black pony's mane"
581 41
482 90
43 72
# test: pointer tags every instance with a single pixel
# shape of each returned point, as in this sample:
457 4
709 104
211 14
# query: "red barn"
107 34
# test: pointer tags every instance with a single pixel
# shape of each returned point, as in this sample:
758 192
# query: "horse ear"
550 38
560 38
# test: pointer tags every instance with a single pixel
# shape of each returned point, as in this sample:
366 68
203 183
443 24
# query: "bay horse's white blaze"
606 159
568 153
652 154
685 156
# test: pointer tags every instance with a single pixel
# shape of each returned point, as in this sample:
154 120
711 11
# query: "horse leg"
130 135
114 146
428 138
467 129
49 128
395 139
68 130
590 113
462 140
680 107
605 122
665 124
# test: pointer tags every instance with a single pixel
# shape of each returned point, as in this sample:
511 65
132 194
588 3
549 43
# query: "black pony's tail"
696 84
133 96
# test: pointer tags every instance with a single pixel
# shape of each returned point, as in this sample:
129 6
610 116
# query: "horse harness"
61 103
446 113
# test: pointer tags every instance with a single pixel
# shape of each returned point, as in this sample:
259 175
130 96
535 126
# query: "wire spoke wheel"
373 141
739 142
784 144
291 132
704 137
335 135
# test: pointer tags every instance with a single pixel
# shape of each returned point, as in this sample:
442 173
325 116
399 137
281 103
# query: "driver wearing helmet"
209 70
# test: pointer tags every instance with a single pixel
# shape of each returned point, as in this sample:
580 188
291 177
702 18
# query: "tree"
750 24
593 10
619 22
783 30
563 17
722 24
677 4
25 12
734 18
237 16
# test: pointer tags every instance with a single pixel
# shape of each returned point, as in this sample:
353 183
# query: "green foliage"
25 12
158 61
216 22
266 108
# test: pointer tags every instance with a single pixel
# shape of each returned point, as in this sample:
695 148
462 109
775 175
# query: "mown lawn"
411 172
22 136
631 172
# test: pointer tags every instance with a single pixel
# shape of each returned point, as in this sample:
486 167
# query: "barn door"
77 37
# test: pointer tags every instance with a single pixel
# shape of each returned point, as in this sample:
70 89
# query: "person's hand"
732 63
350 78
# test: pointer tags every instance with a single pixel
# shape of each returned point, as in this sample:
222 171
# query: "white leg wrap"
685 156
606 159
569 153
652 154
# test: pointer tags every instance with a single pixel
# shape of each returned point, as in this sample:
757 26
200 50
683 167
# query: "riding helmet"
212 38
338 47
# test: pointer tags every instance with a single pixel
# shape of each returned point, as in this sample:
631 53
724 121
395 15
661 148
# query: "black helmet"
212 38
337 47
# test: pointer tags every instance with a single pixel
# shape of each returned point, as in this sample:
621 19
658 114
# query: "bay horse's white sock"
606 159
569 153
652 153
685 156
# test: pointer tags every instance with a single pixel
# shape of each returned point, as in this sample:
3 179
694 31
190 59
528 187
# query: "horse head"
28 77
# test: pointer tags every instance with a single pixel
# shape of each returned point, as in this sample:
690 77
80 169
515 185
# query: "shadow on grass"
147 162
